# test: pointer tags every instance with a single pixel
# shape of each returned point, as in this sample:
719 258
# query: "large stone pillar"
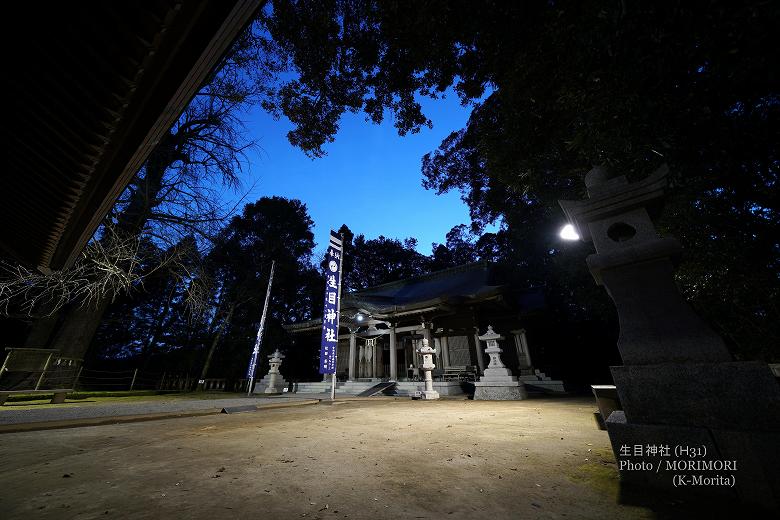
678 386
352 353
393 355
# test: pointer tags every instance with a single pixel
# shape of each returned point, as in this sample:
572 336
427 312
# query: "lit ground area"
382 458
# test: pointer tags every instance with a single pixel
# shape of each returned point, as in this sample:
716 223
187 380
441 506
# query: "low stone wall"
453 388
443 387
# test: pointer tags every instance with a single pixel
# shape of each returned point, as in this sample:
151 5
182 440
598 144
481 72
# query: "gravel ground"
368 459
75 410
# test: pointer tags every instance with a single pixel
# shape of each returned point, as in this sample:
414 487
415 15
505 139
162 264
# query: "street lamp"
568 233
358 317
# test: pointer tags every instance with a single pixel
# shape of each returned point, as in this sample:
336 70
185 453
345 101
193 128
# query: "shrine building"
383 327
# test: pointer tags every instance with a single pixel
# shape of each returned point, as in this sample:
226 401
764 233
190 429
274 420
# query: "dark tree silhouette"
174 196
369 262
558 87
271 229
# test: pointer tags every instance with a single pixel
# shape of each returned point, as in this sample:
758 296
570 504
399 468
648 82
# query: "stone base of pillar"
274 389
498 383
732 395
263 386
498 374
735 465
731 410
499 391
429 395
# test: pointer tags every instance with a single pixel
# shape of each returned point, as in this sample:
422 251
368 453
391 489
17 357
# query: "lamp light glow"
568 233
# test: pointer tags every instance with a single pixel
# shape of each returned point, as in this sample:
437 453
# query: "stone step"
313 388
546 386
321 387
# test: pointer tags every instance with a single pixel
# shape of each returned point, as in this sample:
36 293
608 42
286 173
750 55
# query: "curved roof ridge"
427 276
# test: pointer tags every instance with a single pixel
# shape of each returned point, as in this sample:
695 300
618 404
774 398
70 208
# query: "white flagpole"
259 339
338 322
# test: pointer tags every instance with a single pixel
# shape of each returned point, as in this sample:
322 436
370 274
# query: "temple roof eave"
394 312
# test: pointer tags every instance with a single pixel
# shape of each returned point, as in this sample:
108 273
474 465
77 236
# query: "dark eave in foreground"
92 87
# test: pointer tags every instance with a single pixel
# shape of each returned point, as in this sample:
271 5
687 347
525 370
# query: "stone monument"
427 366
497 383
273 382
679 387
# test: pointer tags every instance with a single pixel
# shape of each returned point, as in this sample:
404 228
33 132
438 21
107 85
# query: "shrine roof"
456 284
459 286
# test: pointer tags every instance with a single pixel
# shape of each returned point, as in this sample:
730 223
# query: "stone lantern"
497 383
679 386
427 366
273 382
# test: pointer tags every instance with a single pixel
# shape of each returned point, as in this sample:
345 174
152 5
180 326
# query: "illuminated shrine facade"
382 328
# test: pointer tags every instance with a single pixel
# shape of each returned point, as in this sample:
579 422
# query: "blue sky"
379 171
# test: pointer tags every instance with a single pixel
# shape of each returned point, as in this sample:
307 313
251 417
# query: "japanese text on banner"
330 315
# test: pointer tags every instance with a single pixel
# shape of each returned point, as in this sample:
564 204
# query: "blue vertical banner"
330 314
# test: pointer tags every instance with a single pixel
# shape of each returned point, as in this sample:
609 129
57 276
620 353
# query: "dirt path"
367 459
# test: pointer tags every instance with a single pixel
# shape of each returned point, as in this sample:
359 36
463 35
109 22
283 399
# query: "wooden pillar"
445 351
374 366
352 348
523 354
407 361
477 342
480 354
524 343
381 355
393 355
132 383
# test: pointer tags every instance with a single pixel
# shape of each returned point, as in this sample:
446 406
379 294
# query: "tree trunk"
81 323
41 331
156 329
214 344
75 336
